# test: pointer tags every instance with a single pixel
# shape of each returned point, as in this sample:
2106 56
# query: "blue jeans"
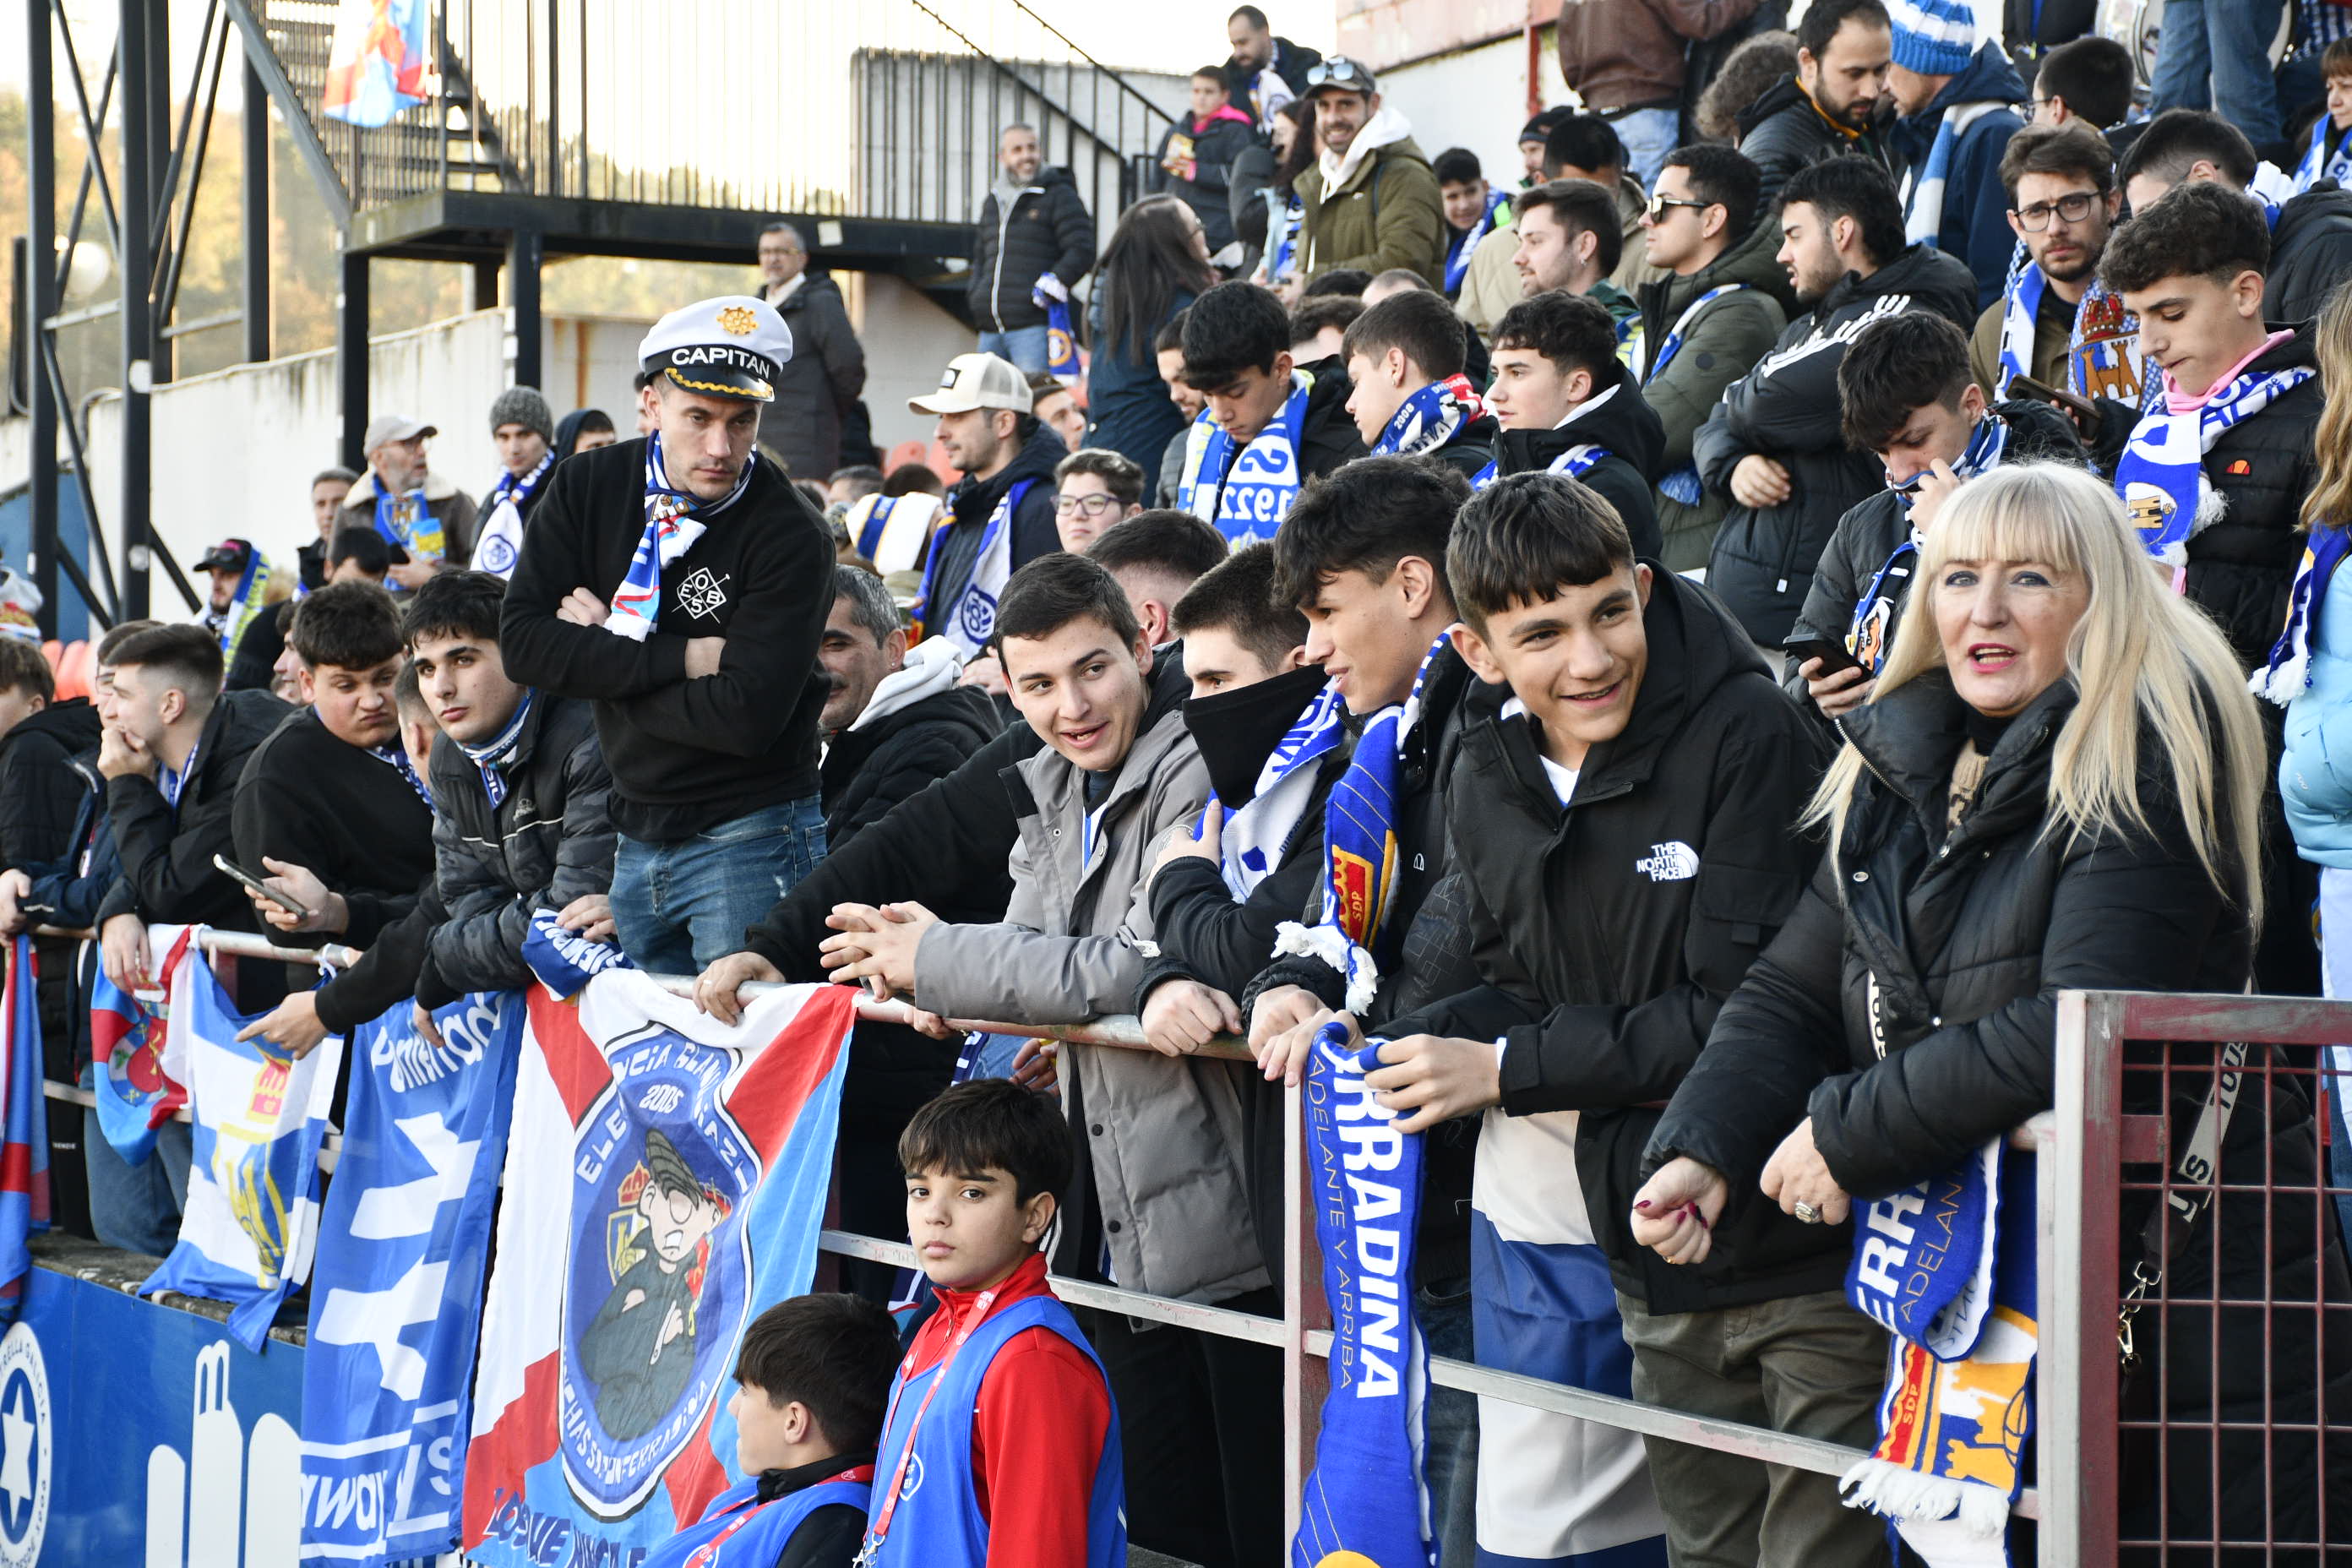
1649 134
1024 346
136 1207
2236 35
1449 1463
679 908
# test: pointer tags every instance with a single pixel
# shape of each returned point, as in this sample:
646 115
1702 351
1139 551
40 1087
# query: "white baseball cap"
977 381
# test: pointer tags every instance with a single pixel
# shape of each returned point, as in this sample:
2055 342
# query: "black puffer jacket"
1870 532
818 385
40 792
1787 409
1045 228
1627 478
1965 944
1782 132
2241 565
549 842
2311 252
870 770
1609 933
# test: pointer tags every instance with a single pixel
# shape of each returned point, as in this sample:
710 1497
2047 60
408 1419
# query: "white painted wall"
909 341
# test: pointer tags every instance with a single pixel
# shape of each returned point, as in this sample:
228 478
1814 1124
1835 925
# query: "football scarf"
492 756
1948 1268
1683 484
1575 462
2101 345
1365 1501
1431 417
1061 343
565 960
396 1291
1252 836
252 597
1923 187
1359 846
670 532
1872 630
24 1128
135 1091
2161 477
501 542
2319 163
2020 305
393 754
1281 217
1245 495
2287 673
406 521
971 621
1458 257
891 530
252 1213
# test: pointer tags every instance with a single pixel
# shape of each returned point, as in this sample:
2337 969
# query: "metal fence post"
2076 1373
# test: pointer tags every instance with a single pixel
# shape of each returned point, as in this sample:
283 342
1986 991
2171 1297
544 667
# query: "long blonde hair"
2141 656
2329 504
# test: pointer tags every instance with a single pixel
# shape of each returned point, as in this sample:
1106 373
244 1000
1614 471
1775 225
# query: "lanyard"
881 1530
175 780
707 1552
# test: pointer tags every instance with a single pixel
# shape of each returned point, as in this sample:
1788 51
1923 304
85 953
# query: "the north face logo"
703 594
1675 862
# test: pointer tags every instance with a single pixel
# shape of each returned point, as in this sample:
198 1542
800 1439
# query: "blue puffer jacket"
2315 774
1974 225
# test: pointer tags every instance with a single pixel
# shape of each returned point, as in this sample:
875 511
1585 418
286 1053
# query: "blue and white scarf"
1360 848
1245 495
670 532
1871 630
971 621
1681 485
493 755
1431 417
1253 837
395 756
2161 476
501 542
2318 163
1575 462
1923 204
1948 1266
1458 259
2287 673
1281 217
563 960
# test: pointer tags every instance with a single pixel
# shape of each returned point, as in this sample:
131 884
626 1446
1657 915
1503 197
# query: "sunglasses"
1660 206
1337 71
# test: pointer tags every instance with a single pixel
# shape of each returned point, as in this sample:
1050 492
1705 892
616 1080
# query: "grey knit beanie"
523 405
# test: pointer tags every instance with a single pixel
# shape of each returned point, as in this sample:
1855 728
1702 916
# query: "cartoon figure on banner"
657 1246
658 1295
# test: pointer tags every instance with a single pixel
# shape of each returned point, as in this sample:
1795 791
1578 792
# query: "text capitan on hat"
731 346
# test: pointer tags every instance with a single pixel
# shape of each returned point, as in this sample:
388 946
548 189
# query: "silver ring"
1807 1214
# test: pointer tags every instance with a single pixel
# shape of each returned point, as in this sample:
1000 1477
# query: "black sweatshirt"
686 755
40 792
313 800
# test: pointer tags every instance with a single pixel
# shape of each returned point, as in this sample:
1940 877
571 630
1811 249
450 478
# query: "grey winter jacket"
1165 1135
549 842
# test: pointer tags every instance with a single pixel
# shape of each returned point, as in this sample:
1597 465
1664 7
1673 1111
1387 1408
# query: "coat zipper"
996 284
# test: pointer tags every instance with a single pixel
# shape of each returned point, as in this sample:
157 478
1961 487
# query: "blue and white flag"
1551 1488
1365 1501
396 1295
1049 295
252 1215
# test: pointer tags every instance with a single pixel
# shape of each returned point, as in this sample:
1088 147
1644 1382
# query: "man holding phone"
1908 396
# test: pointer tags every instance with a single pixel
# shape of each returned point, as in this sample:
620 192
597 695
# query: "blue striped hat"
1933 37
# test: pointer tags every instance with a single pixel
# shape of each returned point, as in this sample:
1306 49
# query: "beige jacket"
1491 286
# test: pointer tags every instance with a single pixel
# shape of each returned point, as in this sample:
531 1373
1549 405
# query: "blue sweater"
1128 407
2315 773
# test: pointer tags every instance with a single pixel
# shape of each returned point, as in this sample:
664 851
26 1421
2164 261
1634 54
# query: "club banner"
1365 1502
396 1291
666 1178
252 1215
24 1131
127 1036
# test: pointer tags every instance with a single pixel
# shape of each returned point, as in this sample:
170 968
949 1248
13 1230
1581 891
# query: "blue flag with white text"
397 1294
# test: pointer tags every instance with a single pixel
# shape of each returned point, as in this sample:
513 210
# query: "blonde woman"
2056 785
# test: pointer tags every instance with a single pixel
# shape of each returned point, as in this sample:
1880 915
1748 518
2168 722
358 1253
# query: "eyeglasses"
1656 210
2074 206
1090 506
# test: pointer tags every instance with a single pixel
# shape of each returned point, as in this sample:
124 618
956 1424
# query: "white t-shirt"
1563 780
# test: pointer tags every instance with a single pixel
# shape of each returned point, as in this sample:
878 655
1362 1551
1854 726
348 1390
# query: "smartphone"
2026 386
258 886
1829 650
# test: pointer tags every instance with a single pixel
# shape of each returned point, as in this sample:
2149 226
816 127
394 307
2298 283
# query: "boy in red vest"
999 1447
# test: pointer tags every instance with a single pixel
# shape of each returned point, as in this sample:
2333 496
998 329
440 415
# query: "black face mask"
1236 731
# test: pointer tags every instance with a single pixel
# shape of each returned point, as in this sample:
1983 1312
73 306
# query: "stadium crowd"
1693 644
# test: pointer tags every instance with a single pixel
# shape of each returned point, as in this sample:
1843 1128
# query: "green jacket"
1719 347
1386 213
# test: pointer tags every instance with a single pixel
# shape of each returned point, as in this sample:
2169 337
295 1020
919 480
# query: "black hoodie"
2311 252
40 792
1782 132
1635 441
1609 933
1787 409
971 503
868 771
